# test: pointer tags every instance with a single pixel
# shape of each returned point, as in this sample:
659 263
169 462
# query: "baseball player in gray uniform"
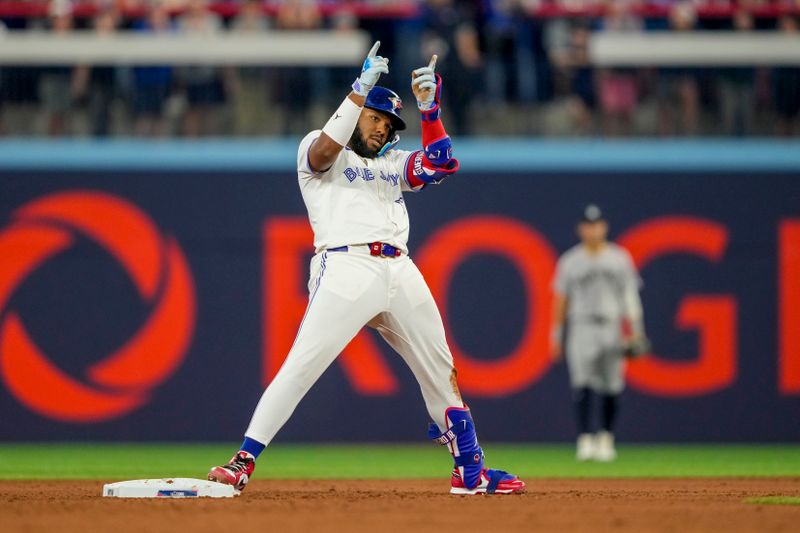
597 298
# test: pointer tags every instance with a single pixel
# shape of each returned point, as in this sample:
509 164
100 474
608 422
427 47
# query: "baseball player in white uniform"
597 294
352 180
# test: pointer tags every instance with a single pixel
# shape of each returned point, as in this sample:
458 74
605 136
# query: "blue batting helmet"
387 101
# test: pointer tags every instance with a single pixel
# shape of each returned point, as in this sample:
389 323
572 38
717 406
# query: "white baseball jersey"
357 200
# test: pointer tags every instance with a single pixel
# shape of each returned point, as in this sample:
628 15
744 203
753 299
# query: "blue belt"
377 249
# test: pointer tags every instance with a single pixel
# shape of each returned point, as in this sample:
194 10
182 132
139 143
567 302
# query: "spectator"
294 84
204 84
152 83
567 45
571 57
450 32
677 87
786 85
502 26
96 86
55 82
250 83
737 88
619 91
19 91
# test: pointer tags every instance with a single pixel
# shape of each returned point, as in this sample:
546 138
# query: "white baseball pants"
348 290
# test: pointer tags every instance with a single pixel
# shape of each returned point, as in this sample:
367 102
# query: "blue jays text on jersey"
351 173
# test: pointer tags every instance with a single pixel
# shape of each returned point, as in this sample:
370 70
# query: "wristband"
432 114
360 89
343 122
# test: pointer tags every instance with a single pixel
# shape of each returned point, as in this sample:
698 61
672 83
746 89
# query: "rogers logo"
158 269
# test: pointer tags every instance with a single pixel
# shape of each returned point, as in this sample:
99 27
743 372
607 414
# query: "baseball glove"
636 347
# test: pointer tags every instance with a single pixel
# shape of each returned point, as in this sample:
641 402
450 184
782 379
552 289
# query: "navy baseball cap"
592 213
387 101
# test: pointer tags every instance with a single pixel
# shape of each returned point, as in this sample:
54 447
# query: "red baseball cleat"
491 482
237 472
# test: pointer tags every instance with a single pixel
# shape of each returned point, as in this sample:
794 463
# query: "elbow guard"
440 152
423 171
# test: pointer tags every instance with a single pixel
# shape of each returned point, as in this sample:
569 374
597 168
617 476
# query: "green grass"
774 500
130 461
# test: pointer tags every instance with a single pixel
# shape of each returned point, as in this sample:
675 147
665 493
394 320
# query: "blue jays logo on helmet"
387 101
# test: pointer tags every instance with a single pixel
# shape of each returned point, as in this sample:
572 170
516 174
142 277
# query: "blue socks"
253 447
610 410
582 399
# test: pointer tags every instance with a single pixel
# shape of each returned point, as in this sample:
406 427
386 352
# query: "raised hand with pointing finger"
374 66
426 86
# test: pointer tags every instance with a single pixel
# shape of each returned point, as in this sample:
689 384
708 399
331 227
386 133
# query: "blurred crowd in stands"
511 67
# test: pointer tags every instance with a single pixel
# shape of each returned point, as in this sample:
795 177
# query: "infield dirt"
558 505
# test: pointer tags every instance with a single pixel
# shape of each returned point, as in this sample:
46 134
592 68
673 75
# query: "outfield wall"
148 291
